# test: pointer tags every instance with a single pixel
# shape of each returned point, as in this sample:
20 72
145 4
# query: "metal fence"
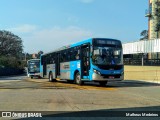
145 62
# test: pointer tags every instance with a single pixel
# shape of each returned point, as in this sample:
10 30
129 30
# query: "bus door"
85 60
44 66
57 64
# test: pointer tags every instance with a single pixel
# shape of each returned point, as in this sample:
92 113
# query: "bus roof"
76 44
33 59
69 46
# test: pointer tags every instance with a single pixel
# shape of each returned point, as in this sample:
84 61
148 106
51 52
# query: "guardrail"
146 62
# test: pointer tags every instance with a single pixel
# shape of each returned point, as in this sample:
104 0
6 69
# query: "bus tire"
70 81
78 79
50 77
103 83
31 77
39 77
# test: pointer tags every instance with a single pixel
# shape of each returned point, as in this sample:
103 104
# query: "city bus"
33 68
95 59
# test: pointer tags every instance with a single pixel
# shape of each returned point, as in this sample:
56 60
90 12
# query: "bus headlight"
96 71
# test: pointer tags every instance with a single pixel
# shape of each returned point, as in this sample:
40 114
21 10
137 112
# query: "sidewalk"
142 73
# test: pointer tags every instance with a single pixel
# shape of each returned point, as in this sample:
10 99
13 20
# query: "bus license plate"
111 77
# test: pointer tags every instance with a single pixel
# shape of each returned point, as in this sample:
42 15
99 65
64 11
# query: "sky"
49 24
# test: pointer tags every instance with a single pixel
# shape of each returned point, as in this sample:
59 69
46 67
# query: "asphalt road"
20 93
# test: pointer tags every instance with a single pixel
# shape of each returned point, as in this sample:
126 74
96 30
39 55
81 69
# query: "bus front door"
58 65
44 68
85 62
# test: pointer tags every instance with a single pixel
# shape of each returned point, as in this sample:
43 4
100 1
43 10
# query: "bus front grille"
110 67
109 76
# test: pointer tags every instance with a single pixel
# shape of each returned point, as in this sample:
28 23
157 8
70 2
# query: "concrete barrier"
143 73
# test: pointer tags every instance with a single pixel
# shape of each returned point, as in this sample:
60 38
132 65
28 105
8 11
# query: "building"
153 14
136 53
146 52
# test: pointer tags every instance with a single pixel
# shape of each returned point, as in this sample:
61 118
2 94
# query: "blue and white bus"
95 59
33 68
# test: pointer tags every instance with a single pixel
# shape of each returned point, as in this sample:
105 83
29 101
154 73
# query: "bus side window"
69 55
73 54
77 54
47 60
61 57
41 60
64 56
53 59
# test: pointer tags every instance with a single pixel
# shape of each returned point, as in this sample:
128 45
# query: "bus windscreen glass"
107 52
34 66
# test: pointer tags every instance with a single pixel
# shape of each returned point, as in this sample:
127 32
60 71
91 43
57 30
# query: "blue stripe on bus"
74 65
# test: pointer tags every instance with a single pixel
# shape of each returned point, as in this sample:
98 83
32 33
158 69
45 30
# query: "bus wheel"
39 77
78 79
70 81
31 77
50 77
103 83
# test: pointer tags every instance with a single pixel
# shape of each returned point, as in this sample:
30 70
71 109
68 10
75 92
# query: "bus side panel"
54 71
65 70
51 68
74 65
41 71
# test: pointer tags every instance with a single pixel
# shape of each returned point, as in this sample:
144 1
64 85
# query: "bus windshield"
34 66
107 55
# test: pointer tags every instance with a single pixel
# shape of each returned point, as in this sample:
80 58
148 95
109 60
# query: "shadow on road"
135 113
18 83
125 83
132 83
13 77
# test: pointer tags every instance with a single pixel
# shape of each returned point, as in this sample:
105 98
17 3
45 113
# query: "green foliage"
11 49
11 62
10 44
144 34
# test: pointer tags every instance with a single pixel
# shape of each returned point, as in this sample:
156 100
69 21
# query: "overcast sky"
48 24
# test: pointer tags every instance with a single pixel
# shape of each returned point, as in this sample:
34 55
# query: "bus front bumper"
34 75
110 78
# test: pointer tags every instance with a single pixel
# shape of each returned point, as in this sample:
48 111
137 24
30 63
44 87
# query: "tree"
10 44
28 56
11 49
11 62
144 34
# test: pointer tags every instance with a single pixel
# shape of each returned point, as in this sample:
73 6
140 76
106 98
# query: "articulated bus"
33 68
95 59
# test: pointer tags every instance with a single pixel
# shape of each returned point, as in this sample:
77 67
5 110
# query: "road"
5 78
20 93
